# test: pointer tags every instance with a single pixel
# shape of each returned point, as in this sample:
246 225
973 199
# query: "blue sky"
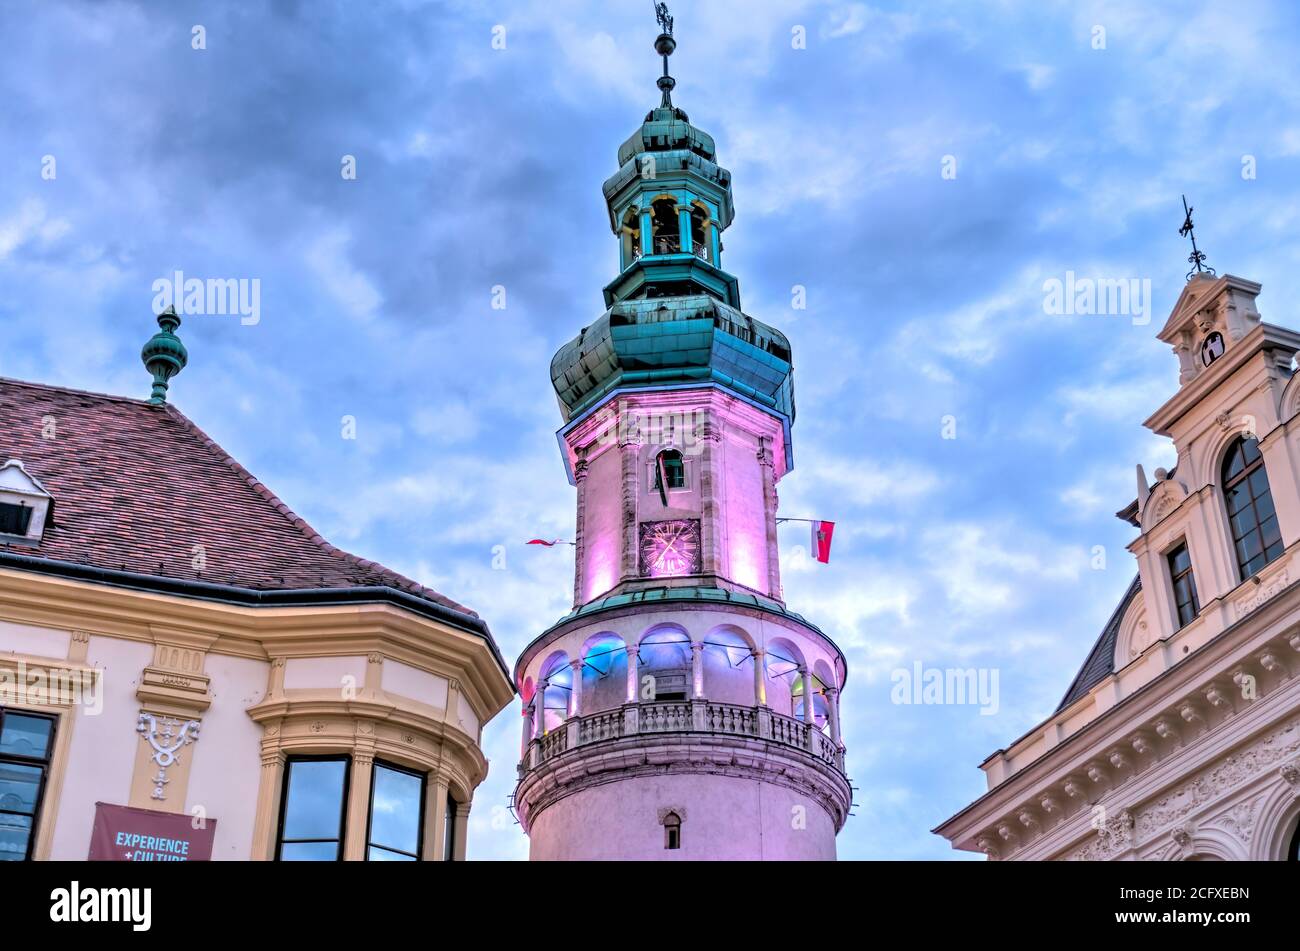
479 167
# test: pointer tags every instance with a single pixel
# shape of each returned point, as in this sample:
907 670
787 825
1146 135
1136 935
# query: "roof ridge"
315 537
11 381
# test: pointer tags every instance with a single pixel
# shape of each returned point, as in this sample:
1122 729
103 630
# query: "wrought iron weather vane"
1197 257
664 46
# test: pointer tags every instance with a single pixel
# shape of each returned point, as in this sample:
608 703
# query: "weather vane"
664 46
665 20
1197 257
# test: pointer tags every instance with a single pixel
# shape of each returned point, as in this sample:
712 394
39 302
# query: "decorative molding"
166 744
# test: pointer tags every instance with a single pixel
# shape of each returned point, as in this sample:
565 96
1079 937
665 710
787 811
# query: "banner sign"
128 834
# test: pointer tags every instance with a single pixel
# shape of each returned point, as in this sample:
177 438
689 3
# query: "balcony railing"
690 716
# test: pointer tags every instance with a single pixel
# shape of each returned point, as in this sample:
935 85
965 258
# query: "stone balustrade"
688 716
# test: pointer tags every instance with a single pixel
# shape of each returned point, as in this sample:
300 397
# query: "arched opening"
728 662
1293 850
604 673
553 687
631 231
783 661
672 831
670 470
701 233
664 665
1252 519
665 227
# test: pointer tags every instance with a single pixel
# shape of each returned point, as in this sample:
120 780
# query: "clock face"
1211 348
670 548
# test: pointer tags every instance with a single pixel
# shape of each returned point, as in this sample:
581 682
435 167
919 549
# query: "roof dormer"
25 507
1211 315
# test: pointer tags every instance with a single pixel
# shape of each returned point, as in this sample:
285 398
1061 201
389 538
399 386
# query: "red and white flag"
548 544
821 541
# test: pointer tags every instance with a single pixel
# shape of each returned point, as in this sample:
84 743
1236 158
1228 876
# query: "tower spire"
664 46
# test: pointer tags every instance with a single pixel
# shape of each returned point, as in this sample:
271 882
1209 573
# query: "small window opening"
632 237
672 831
14 519
670 470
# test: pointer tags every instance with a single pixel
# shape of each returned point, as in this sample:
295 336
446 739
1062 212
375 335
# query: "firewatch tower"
681 710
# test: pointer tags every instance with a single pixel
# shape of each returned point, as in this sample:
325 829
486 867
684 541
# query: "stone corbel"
1274 663
988 845
1166 730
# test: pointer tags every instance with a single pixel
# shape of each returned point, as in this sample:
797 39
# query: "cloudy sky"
478 166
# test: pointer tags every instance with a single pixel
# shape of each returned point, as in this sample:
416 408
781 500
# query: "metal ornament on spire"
1197 257
664 46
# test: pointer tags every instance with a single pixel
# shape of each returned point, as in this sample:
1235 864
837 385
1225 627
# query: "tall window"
667 229
672 831
1251 516
1184 583
26 741
700 232
312 809
449 830
670 470
1293 854
396 815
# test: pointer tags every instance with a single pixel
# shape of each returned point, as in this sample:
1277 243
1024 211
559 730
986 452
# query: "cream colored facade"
1190 747
376 680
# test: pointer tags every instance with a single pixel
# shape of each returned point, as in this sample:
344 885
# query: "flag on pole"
821 540
542 541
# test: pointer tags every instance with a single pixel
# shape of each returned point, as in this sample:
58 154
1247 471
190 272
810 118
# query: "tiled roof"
1101 659
137 487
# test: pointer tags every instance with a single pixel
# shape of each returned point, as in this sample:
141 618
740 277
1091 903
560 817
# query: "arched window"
667 230
1293 853
672 831
700 233
670 470
1251 517
631 237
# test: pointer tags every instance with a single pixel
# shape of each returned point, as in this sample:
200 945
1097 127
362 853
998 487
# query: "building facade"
189 671
1180 736
680 710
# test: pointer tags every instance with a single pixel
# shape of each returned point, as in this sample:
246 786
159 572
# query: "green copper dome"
667 129
674 341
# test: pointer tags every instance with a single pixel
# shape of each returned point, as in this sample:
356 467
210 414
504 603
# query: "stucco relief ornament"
166 739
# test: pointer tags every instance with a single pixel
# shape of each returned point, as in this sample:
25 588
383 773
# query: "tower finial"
664 46
164 355
1197 257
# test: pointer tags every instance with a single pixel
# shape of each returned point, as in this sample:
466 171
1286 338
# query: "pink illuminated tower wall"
681 710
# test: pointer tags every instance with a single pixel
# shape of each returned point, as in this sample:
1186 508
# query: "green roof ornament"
164 355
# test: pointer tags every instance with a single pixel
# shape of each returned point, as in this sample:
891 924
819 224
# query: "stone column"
579 546
461 832
833 714
767 467
629 453
575 695
697 669
539 711
354 836
760 681
809 716
684 226
527 716
631 674
435 819
710 489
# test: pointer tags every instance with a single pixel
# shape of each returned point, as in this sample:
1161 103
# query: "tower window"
670 470
700 233
667 230
14 519
1186 604
672 831
631 237
1251 517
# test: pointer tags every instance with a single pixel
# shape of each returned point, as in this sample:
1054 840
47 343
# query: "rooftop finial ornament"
664 46
164 355
1197 257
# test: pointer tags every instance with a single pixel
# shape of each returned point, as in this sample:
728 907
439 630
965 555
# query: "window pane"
309 852
1272 535
1258 482
14 834
1234 464
19 786
25 736
1249 451
377 854
395 810
1236 497
1179 560
314 808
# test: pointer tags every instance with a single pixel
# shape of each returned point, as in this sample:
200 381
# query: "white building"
1180 736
